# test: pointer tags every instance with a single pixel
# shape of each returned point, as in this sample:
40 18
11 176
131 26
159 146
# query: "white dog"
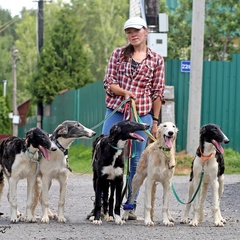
156 165
209 157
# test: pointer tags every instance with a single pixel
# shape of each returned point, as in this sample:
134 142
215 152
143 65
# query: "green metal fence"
220 102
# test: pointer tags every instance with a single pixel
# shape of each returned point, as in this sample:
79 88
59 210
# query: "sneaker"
132 215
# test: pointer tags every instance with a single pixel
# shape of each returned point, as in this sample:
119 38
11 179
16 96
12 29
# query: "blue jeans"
137 147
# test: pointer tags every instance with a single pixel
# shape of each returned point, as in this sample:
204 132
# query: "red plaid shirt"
146 82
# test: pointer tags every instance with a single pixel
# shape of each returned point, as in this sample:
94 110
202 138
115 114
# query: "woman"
135 71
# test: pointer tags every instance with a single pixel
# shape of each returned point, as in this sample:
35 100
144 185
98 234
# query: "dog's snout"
170 133
53 148
226 141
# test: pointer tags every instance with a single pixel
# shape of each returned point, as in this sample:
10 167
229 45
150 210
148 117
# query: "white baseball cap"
135 22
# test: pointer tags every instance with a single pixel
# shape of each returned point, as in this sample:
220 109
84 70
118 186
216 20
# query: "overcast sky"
15 6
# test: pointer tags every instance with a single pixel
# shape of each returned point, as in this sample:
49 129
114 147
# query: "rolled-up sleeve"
158 83
111 72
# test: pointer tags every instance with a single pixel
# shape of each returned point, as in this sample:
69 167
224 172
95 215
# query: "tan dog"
157 164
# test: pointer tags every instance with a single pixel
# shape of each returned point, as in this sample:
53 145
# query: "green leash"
115 110
199 185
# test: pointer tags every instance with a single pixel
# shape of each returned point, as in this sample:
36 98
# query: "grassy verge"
80 161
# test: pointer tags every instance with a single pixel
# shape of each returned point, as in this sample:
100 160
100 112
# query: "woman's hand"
128 94
154 129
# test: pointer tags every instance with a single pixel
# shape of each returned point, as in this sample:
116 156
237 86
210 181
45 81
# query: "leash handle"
195 194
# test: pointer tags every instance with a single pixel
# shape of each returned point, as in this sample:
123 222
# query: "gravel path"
79 203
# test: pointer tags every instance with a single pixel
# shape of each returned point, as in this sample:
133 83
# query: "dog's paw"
184 221
193 223
218 224
30 220
223 220
118 220
14 220
91 219
108 218
97 222
149 222
45 220
168 223
61 219
125 215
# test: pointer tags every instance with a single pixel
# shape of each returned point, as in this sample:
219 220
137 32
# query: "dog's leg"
119 186
220 192
153 200
108 213
202 200
136 184
31 180
215 200
188 206
167 218
44 199
147 205
37 192
196 201
98 202
63 188
12 198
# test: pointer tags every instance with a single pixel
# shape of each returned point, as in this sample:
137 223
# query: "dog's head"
167 134
213 133
72 130
38 138
126 130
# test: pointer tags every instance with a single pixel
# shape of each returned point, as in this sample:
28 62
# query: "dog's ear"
202 130
113 132
62 130
29 135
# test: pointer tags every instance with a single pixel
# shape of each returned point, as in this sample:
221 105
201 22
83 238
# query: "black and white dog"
63 136
108 168
209 158
19 159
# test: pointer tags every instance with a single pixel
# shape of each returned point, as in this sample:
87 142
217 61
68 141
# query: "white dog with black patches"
156 164
57 168
209 158
19 159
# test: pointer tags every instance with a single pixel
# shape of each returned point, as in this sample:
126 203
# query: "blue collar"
116 148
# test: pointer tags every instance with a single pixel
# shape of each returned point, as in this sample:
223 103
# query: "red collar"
206 158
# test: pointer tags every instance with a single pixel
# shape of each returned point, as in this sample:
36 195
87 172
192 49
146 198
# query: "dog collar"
65 151
31 155
116 148
205 158
165 149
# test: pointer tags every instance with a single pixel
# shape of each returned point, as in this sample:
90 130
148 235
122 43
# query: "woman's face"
136 36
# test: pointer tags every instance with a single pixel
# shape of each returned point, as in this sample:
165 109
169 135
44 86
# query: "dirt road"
79 203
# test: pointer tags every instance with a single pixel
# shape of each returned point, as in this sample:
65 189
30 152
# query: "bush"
80 160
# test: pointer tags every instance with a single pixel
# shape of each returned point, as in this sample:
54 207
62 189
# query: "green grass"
80 160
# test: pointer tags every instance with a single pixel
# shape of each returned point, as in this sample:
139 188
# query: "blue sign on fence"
185 66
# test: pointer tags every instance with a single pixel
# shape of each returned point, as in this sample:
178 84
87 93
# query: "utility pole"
195 85
40 44
15 119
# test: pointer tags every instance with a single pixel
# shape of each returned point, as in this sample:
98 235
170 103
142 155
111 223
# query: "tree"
63 61
221 30
221 23
5 123
102 29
